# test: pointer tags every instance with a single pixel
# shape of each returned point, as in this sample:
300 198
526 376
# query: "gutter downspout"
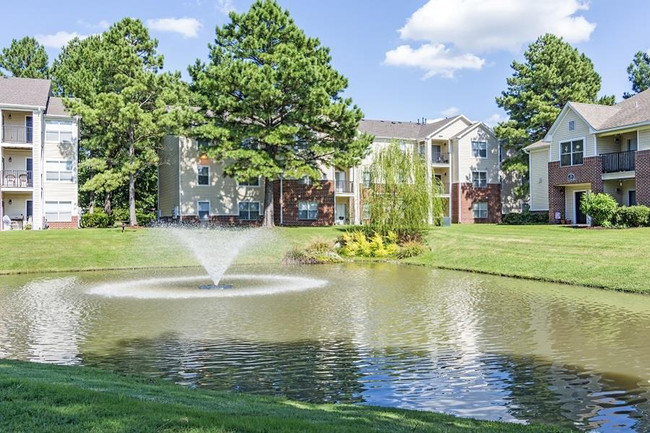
180 176
281 199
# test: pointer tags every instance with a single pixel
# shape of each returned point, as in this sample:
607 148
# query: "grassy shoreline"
603 259
48 398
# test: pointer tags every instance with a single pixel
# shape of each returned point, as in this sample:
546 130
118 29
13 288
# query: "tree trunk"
133 221
91 199
108 207
269 214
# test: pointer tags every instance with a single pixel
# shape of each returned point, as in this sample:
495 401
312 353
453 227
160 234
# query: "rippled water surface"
410 337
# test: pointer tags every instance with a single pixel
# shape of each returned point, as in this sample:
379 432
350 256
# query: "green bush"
601 207
411 249
319 251
632 216
97 219
524 218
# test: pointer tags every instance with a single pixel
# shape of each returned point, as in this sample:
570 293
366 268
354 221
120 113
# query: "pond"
390 335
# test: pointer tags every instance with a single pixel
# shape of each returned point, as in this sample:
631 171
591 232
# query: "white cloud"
495 118
225 6
58 39
188 27
102 25
450 112
435 59
461 30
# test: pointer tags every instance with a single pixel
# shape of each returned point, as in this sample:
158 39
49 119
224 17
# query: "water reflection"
479 346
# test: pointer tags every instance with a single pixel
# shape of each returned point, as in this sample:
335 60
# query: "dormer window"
572 125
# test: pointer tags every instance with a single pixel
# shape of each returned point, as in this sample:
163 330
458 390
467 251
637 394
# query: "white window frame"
476 181
198 209
58 219
572 125
64 127
572 153
306 180
249 184
198 175
480 214
309 211
476 149
248 218
58 172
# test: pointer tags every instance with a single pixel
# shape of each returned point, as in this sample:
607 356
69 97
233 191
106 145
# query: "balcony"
16 179
17 134
440 158
344 187
618 161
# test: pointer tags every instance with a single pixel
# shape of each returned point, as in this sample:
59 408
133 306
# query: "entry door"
341 213
341 181
28 128
581 218
631 197
29 209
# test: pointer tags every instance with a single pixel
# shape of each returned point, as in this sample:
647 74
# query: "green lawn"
612 259
46 398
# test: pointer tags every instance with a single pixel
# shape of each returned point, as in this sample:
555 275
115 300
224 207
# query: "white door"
341 213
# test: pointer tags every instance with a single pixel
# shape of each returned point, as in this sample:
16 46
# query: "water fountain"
215 249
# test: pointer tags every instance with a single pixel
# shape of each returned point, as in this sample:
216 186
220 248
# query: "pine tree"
271 101
639 73
25 58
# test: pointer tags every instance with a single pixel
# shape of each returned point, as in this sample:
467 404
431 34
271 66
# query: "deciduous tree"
272 103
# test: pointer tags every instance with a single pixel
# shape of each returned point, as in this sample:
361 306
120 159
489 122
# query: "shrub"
318 252
632 216
97 219
411 249
601 207
28 226
525 218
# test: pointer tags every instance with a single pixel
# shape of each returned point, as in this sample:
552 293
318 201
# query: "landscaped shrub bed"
605 212
525 218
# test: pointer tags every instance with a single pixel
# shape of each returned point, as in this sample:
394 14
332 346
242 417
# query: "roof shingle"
32 92
406 130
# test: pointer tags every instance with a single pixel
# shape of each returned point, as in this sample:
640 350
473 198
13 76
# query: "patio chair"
10 180
22 180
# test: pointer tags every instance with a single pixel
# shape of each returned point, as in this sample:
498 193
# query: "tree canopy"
553 74
271 102
113 81
24 58
639 73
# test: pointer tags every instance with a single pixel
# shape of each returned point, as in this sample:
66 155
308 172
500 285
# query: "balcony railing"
16 179
17 134
343 186
618 161
439 158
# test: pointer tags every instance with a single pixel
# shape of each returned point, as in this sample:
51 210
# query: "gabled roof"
29 92
55 107
472 127
537 145
405 130
632 111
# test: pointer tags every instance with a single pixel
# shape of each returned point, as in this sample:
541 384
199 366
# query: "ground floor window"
480 210
366 211
307 210
58 211
204 210
249 210
479 179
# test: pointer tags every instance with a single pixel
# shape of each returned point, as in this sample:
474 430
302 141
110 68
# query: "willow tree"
271 102
403 197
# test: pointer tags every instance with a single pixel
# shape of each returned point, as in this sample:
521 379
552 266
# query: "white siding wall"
539 179
466 162
168 175
562 133
644 139
37 157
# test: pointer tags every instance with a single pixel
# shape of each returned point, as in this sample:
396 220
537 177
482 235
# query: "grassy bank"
45 398
611 259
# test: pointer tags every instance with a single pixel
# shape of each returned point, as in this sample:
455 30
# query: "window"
307 210
249 210
204 210
306 180
254 181
479 149
366 179
58 211
58 131
571 152
436 153
572 125
422 150
366 211
203 177
402 146
58 171
479 179
480 210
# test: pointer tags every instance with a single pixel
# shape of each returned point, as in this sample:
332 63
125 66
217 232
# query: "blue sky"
405 59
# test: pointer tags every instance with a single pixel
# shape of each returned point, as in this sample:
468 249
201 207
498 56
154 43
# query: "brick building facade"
469 195
588 173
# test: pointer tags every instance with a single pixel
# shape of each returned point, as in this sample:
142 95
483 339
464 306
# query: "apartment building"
38 149
464 155
596 148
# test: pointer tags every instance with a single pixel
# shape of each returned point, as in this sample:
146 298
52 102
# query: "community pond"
381 334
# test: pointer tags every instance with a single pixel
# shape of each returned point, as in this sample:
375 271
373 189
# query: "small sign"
571 177
558 215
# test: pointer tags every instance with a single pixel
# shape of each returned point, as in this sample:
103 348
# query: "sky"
404 59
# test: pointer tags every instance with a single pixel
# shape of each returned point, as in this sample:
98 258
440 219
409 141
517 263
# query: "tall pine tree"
24 58
272 103
639 73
